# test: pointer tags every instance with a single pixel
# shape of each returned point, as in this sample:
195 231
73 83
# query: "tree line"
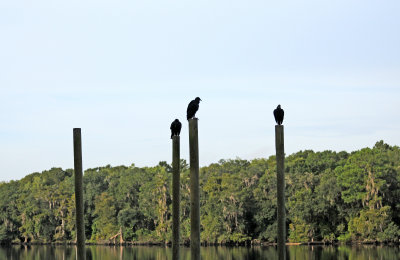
331 196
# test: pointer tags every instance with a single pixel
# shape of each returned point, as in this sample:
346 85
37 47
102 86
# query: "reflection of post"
194 190
175 196
80 224
280 175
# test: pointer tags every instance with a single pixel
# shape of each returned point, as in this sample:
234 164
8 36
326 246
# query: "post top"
175 137
193 119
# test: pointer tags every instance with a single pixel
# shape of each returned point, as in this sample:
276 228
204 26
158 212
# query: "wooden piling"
280 175
80 224
175 196
194 190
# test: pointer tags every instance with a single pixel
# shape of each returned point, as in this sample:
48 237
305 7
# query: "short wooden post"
80 224
194 190
280 175
175 196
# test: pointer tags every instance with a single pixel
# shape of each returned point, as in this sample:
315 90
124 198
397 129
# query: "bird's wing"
190 105
191 110
179 127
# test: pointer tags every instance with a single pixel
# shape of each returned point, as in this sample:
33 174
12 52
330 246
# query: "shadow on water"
35 252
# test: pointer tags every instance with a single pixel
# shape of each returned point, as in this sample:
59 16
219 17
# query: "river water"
36 252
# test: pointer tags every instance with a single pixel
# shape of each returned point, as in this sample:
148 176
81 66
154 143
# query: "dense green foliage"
330 197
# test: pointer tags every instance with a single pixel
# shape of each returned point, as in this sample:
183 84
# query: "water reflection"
207 253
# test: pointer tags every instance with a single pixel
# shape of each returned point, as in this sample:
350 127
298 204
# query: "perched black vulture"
175 128
192 108
278 114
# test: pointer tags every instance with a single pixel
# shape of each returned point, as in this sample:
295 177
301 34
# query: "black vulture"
175 128
278 114
192 108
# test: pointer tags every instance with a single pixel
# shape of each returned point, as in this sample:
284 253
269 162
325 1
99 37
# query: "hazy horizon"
187 161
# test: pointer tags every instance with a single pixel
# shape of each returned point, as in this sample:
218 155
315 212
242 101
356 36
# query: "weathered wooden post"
280 175
194 190
175 196
80 224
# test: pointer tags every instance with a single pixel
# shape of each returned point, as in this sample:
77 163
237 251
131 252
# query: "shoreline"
159 244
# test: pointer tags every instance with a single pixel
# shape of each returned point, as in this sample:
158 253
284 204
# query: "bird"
176 127
192 108
278 114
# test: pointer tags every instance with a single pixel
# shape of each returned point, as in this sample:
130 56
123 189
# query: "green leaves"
369 224
330 196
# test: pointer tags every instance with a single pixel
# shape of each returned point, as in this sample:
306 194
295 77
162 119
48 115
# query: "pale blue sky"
124 70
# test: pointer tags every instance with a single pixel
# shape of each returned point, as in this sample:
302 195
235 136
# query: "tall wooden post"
80 224
280 175
194 190
175 196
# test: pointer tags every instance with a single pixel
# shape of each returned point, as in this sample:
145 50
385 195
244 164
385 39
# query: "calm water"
207 253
